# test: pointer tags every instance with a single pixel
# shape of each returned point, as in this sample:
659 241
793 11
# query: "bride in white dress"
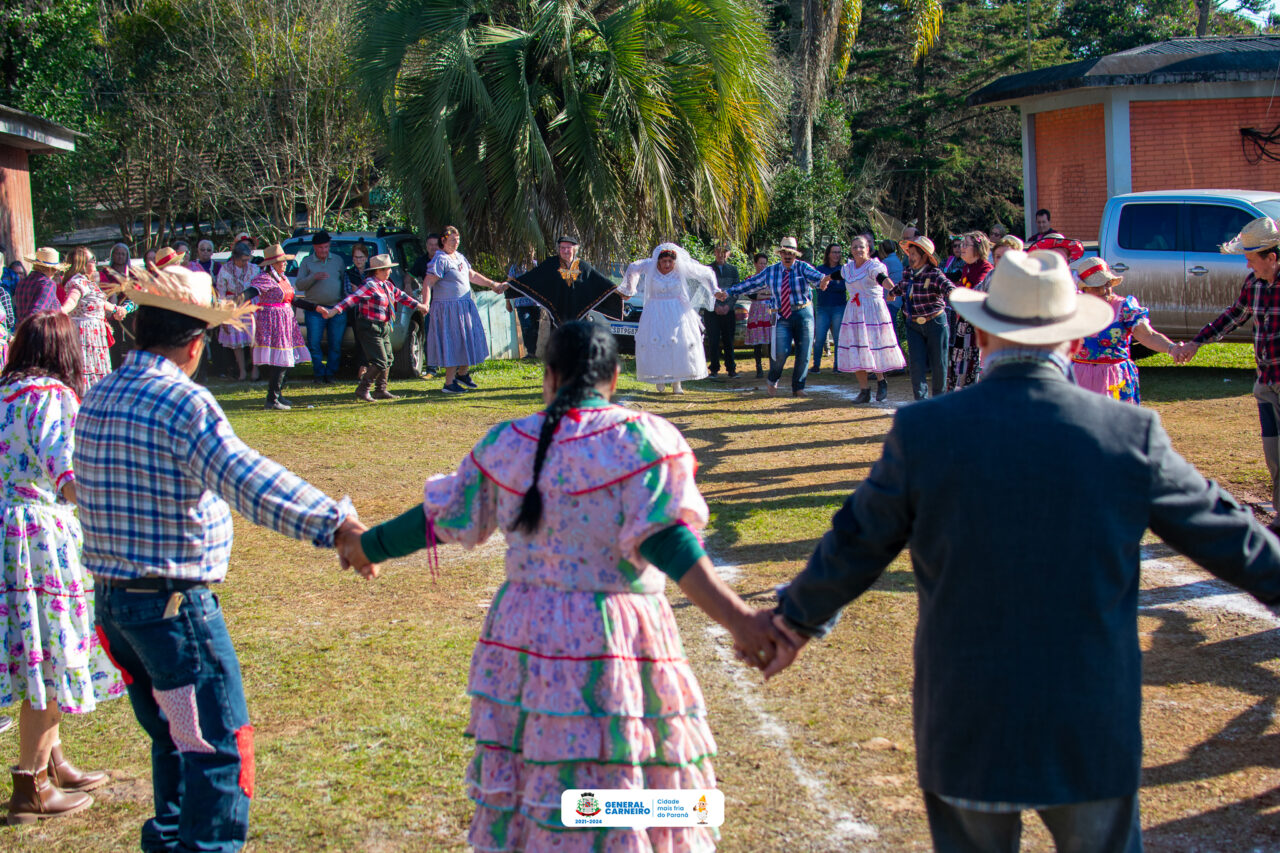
669 339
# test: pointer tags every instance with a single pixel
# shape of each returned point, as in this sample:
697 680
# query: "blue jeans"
317 326
1099 826
184 682
827 319
798 328
927 354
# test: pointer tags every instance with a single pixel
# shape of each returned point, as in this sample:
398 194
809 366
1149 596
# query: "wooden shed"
21 135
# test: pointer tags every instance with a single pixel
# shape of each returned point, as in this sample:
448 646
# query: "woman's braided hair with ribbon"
581 354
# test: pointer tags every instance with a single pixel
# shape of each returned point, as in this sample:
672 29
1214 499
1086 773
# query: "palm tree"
518 119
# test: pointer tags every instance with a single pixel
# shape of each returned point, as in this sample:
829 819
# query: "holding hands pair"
346 541
1184 352
762 640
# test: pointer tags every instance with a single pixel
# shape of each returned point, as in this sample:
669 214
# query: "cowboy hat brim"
384 267
61 265
277 259
1092 315
923 249
1236 246
214 316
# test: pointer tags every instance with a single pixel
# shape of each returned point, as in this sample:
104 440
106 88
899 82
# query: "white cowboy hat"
183 291
1259 234
924 244
789 244
274 254
1032 300
381 262
1093 272
46 257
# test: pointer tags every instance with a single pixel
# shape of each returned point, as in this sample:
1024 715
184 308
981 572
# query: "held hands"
1184 352
422 308
500 287
350 555
822 285
761 640
721 296
324 312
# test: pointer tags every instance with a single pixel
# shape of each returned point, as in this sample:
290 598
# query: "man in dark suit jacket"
1025 546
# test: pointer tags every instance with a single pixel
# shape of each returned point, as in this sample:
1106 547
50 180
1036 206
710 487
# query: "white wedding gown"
669 337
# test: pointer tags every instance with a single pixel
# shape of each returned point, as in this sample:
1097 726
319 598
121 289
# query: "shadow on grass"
1175 384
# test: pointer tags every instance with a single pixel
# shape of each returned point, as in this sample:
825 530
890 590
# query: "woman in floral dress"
52 663
88 307
1103 362
579 679
234 278
760 319
278 343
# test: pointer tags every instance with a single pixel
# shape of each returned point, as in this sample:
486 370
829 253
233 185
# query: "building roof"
24 130
1213 59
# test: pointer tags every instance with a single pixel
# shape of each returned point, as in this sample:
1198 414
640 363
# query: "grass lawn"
357 689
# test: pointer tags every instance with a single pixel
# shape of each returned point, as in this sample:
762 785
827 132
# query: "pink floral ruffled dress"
51 652
579 679
90 318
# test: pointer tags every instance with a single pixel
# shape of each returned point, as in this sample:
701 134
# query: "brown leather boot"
381 392
35 798
65 775
362 390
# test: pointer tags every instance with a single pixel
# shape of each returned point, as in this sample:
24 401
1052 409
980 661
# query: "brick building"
1162 116
21 135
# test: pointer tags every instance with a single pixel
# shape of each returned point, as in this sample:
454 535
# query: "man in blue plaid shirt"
158 469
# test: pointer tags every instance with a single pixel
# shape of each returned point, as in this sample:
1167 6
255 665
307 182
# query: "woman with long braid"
579 679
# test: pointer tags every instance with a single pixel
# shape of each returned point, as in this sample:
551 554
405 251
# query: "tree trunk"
1205 8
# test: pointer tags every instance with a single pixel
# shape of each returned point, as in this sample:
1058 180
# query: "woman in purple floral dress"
53 663
579 679
278 343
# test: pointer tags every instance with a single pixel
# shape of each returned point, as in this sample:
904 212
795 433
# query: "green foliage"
516 120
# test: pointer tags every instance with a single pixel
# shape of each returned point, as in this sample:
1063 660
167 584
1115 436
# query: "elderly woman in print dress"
234 278
579 679
278 343
669 337
88 307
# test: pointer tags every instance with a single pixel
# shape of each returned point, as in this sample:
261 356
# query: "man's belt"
148 584
926 317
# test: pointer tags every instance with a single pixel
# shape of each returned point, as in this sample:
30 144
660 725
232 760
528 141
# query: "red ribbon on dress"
857 299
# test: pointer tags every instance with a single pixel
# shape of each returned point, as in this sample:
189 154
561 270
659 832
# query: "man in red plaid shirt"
373 325
1259 298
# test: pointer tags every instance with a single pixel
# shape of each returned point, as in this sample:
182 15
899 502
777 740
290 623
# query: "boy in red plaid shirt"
373 325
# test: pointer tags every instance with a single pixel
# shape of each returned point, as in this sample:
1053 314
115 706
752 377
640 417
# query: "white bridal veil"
699 280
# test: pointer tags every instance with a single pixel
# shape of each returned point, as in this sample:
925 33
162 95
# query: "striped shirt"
156 466
1260 300
802 276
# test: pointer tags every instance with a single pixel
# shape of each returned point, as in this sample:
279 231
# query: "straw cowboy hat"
274 254
167 256
1093 272
924 244
381 262
183 291
1032 300
789 244
1258 235
47 257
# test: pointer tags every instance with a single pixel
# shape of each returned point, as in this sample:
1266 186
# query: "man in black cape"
568 287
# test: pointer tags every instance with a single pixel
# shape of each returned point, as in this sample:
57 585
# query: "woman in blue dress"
455 336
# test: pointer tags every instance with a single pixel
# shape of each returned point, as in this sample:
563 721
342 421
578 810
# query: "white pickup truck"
1165 244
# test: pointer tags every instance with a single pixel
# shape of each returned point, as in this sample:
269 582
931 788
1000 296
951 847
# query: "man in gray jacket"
321 276
1025 546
